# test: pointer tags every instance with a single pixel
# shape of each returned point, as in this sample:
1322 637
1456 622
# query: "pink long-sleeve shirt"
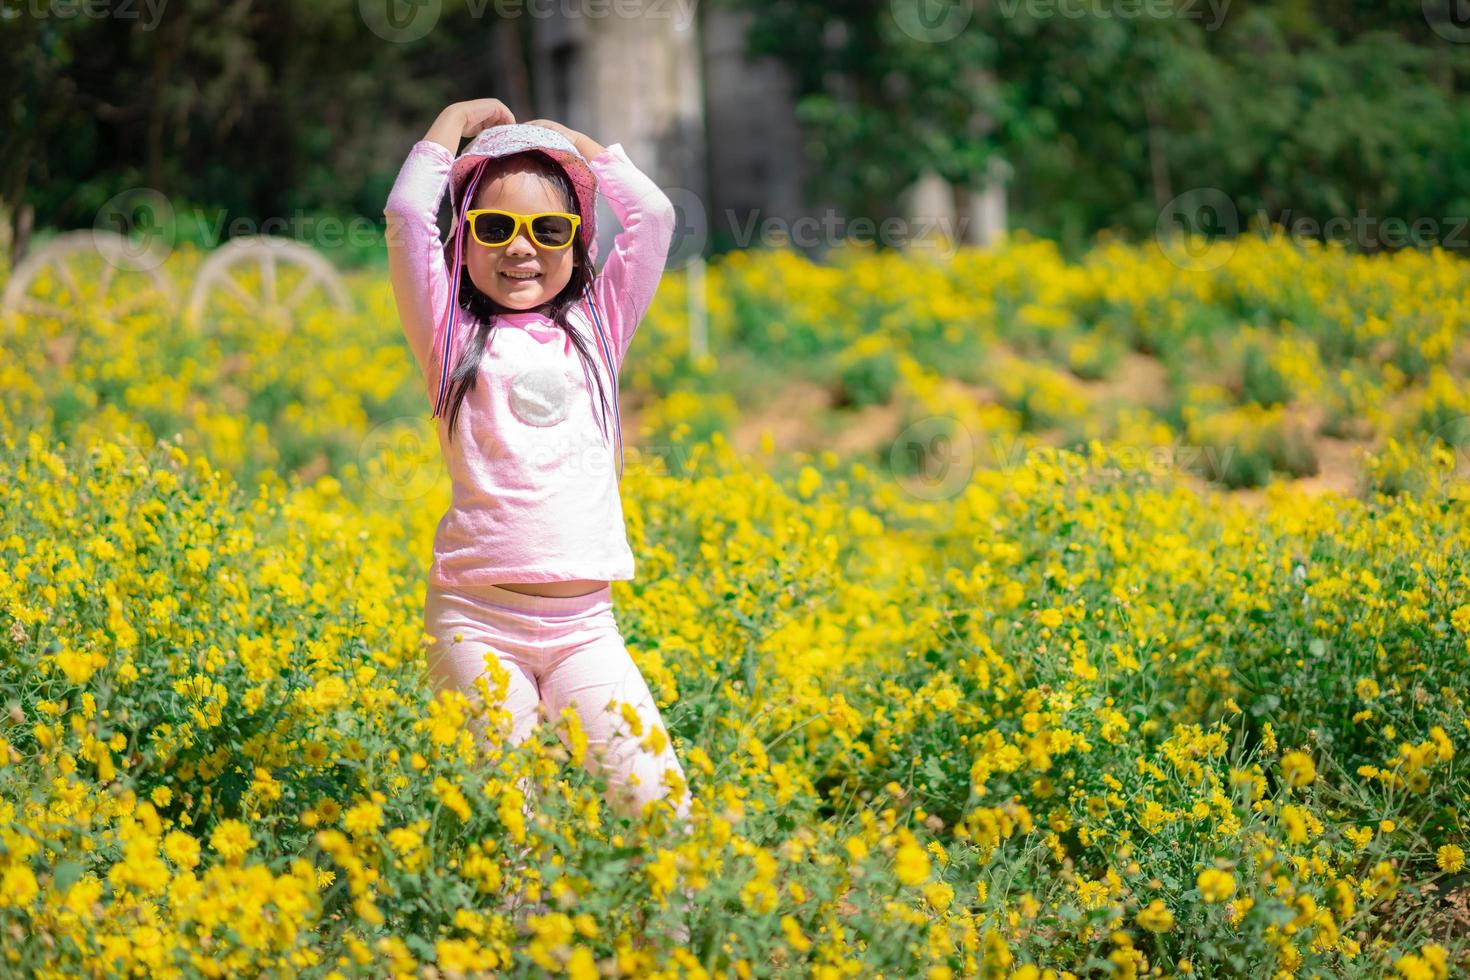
534 480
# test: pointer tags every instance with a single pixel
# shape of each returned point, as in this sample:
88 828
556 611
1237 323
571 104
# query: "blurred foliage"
238 113
1107 111
1103 112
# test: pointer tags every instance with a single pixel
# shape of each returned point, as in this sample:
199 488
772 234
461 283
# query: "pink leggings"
559 651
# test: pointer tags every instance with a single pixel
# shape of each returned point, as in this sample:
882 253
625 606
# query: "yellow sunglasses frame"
524 221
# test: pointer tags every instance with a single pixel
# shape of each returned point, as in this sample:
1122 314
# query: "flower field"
1106 617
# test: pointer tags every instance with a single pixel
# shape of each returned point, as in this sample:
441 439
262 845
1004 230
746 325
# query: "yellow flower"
1460 617
450 795
197 558
1268 737
791 930
662 872
1215 885
181 849
1450 858
1414 967
912 864
363 818
79 665
1092 894
1444 748
18 887
231 839
1156 917
808 482
1298 769
582 965
939 894
1438 959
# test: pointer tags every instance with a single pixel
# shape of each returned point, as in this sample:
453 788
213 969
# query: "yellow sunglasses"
548 229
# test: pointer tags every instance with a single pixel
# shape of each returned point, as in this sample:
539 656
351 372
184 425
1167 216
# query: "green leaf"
67 873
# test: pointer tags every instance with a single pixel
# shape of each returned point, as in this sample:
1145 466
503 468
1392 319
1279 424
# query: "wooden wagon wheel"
279 266
89 272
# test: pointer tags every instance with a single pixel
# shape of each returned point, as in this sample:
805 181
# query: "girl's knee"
637 780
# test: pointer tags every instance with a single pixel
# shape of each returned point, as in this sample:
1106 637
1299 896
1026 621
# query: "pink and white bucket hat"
464 179
501 141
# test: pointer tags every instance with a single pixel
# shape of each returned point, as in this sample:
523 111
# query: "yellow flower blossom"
1215 885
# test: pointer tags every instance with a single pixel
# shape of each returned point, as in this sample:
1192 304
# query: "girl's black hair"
482 309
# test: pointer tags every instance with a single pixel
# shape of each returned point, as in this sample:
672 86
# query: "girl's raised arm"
625 286
415 252
415 257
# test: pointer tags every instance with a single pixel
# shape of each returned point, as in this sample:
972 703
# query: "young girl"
520 341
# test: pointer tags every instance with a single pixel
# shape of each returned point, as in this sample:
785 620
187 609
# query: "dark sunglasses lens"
494 228
552 230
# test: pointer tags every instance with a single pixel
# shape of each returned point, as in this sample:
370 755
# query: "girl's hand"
463 120
585 145
481 114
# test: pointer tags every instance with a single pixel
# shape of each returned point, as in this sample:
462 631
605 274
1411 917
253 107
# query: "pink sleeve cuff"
625 285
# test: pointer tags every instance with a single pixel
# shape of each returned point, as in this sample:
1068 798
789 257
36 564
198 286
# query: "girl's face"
525 191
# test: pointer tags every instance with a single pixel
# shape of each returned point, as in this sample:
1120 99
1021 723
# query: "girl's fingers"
489 112
571 135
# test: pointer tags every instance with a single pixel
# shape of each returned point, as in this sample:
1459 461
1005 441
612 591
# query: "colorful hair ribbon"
604 345
459 238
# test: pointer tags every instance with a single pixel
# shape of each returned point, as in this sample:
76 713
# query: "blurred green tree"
249 109
1106 110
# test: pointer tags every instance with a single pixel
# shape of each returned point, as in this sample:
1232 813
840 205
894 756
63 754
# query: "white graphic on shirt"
540 395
